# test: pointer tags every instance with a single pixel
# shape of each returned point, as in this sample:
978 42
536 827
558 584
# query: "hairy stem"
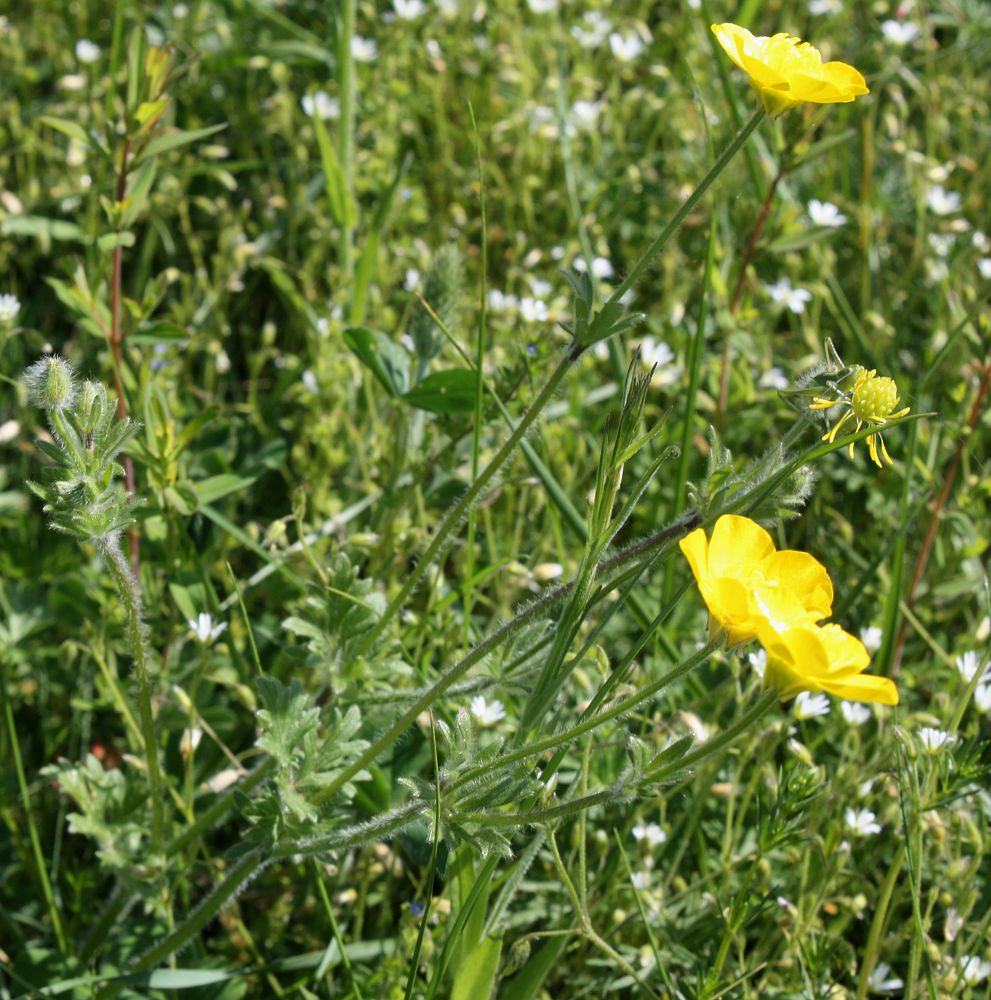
127 588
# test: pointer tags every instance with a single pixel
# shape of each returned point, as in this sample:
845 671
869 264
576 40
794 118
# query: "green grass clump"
384 361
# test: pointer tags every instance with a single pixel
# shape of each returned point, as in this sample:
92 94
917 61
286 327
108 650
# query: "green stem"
441 538
127 588
428 697
39 857
345 151
760 708
690 202
581 728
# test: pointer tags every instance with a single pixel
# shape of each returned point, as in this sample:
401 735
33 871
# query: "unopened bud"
50 383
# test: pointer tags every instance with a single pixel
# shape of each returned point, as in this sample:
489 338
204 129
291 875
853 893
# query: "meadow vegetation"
477 569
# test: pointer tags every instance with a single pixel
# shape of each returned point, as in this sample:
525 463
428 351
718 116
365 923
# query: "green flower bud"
51 383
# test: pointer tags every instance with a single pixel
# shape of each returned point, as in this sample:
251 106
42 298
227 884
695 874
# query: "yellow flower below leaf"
753 591
822 658
786 71
747 584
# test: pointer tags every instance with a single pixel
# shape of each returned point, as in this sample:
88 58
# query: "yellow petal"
695 548
737 547
734 40
845 653
864 687
804 576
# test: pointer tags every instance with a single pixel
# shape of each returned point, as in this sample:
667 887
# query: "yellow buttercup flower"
786 71
748 585
822 658
872 401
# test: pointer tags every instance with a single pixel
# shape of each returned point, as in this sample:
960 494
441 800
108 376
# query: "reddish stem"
748 256
937 510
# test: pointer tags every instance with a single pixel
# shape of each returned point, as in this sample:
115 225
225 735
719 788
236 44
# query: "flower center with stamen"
874 398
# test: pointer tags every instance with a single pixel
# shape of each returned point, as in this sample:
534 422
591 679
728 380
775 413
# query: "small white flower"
363 49
585 114
448 8
411 278
984 266
968 664
488 713
855 713
808 705
409 10
699 730
547 572
773 378
543 121
792 298
655 352
878 981
500 302
10 306
823 7
204 629
941 243
933 740
87 51
650 832
943 202
626 46
979 240
190 740
602 268
982 698
323 326
541 289
758 661
309 381
872 637
542 6
825 213
9 431
641 881
433 49
533 310
861 822
899 32
974 969
593 32
321 105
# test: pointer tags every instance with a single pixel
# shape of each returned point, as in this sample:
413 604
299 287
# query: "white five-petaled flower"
968 664
487 713
309 381
984 267
320 105
825 213
10 306
593 31
974 969
808 705
773 378
87 51
649 832
792 298
585 114
533 310
626 46
899 32
943 202
641 881
601 267
872 637
861 822
982 698
758 661
542 6
854 712
879 981
409 10
363 49
655 352
933 740
204 629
